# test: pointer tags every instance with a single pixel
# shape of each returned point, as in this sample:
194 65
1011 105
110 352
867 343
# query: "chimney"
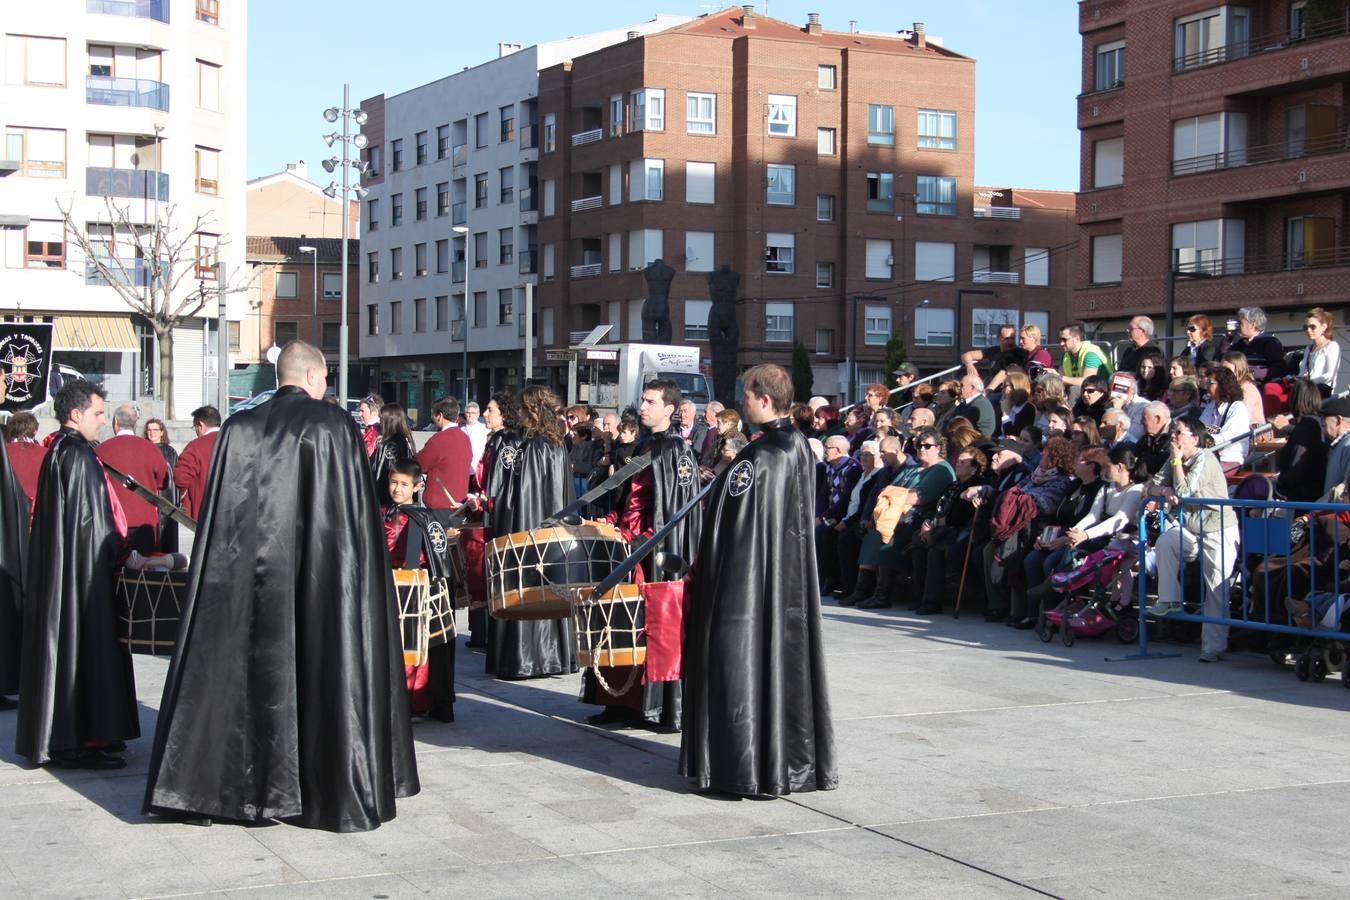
920 40
298 168
748 17
852 26
633 35
813 23
506 49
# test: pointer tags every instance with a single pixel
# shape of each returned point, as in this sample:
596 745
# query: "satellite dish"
273 354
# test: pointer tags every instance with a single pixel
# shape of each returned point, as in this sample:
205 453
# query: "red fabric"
26 461
370 436
1013 510
445 461
419 693
119 513
472 541
143 461
1274 399
190 472
664 603
635 519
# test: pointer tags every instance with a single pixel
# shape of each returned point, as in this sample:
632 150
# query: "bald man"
286 698
133 455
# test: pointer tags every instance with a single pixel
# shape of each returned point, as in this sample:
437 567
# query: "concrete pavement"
975 761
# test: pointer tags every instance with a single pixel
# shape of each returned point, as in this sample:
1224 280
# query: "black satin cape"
494 476
76 684
387 452
13 563
537 483
286 695
756 707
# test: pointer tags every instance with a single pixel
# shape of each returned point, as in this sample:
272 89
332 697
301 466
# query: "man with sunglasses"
1140 332
1081 358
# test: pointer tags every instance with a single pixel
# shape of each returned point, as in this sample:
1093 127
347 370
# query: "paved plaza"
975 761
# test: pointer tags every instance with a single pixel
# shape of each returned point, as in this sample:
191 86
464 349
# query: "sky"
1026 52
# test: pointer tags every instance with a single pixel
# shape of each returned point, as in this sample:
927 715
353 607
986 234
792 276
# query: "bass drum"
539 574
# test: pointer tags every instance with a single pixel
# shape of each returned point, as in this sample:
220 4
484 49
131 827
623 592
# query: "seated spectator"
1093 398
816 403
849 538
904 375
883 424
826 422
1140 334
1336 424
1155 446
1125 397
803 419
842 472
858 426
1226 417
940 545
945 399
584 457
876 396
1034 439
1081 358
1047 392
919 417
922 396
1115 429
975 406
1083 433
1201 344
1180 367
893 460
960 436
1322 357
1183 398
1038 358
1263 350
1302 461
999 357
1152 376
1057 422
1251 393
1015 404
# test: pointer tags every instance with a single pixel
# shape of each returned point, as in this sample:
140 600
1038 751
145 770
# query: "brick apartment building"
1214 145
833 170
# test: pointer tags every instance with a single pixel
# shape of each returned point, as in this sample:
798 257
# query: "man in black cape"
285 698
77 693
13 562
651 500
756 708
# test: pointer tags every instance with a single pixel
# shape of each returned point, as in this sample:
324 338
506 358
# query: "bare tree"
164 273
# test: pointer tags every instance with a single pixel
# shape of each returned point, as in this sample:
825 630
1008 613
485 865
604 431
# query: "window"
1214 246
208 255
696 319
1036 266
646 179
287 285
824 342
396 154
442 256
550 195
936 195
824 274
395 210
101 60
506 178
698 251
372 319
934 327
937 129
285 332
878 259
396 317
505 245
778 323
824 207
480 130
235 338
372 269
480 252
782 180
550 132
419 314
504 300
1309 241
616 110
649 110
208 85
826 78
701 113
208 11
616 251
332 336
443 313
825 141
372 215
782 115
1205 143
443 199
41 61
881 125
876 326
419 260
44 244
699 178
208 171
985 325
1106 259
1212 36
420 204
507 116
934 261
332 285
442 141
616 183
778 250
548 262
479 309
1298 20
480 190
374 159
880 192
40 152
396 263
1108 162
1110 66
420 145
644 246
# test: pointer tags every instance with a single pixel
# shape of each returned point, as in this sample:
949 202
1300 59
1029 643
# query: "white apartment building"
459 152
143 101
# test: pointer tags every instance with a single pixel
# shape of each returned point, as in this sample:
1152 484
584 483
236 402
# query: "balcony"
586 270
998 212
1331 27
459 154
586 203
529 260
107 90
132 9
134 184
986 277
457 269
587 137
1315 278
459 213
1262 153
130 273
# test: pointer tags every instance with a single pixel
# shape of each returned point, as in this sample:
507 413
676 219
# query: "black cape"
756 707
494 476
538 483
76 683
387 452
13 564
286 696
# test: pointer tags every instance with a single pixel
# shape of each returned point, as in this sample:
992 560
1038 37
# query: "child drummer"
417 541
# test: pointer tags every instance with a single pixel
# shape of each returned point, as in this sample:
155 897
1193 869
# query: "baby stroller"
1087 608
1321 657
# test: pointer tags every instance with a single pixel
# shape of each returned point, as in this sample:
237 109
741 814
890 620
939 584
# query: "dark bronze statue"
656 308
724 333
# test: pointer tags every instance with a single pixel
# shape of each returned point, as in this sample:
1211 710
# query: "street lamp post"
314 254
349 140
468 297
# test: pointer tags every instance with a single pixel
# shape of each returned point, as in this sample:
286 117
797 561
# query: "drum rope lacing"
594 649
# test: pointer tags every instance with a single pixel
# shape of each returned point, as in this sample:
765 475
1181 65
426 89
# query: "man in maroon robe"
446 458
189 474
143 461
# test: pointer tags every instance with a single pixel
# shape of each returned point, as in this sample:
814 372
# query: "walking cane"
960 591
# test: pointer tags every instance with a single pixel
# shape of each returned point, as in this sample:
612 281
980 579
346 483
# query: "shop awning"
94 334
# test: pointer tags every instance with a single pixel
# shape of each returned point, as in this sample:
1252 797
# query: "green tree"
802 376
895 354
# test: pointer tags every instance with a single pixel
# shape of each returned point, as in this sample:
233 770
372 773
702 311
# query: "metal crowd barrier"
909 387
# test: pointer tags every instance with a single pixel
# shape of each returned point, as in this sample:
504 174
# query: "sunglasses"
926 446
1092 390
1177 434
1311 326
1191 328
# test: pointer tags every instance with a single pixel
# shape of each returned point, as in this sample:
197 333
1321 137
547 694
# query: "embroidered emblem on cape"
508 458
389 452
741 477
685 469
437 538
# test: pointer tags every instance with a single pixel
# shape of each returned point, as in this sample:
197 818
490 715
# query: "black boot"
881 599
867 583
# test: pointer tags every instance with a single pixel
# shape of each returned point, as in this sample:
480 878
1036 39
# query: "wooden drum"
458 587
414 613
540 574
148 603
612 630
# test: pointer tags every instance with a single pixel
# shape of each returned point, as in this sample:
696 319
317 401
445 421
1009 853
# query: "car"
256 400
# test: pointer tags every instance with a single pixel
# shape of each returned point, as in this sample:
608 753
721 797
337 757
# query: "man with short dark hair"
446 458
1000 356
757 711
194 463
133 455
77 693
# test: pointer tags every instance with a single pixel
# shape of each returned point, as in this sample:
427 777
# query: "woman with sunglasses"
1093 399
1226 416
1201 344
1322 358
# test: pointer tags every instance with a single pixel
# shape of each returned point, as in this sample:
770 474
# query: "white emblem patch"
741 477
436 535
508 458
685 469
389 453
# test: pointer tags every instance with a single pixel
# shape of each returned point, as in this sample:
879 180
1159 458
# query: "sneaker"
1210 656
1164 609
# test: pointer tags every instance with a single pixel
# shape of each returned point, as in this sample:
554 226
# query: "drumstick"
628 565
173 511
634 466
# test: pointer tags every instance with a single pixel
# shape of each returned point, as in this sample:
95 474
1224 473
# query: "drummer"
652 499
407 532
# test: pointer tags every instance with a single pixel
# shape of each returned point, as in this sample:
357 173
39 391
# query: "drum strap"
412 559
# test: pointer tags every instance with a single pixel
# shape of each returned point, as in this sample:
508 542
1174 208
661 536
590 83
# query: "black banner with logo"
25 363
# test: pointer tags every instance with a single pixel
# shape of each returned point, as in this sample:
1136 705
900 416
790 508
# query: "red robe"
142 460
25 458
445 461
190 472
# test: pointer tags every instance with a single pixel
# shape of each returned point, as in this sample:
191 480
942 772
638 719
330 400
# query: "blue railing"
131 183
108 90
134 9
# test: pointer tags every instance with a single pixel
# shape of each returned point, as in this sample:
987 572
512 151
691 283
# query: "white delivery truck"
610 376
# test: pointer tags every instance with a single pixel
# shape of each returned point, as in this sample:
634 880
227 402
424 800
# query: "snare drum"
611 631
538 574
149 602
414 613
